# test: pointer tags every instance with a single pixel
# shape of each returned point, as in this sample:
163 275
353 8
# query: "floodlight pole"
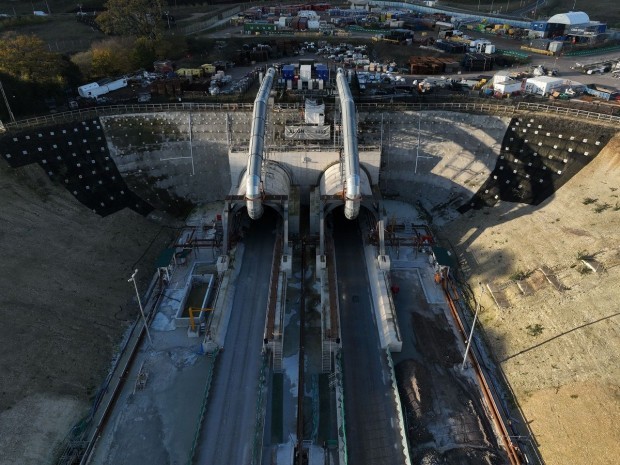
146 326
471 333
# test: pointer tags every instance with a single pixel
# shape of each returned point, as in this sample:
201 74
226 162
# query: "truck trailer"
96 89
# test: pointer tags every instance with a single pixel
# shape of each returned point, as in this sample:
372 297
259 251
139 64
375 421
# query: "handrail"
113 110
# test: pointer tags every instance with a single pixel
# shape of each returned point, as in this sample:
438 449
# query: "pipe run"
352 192
253 194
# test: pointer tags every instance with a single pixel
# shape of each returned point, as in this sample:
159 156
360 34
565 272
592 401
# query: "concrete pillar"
381 226
322 231
285 233
225 219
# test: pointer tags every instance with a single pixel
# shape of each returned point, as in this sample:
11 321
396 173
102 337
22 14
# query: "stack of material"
478 62
430 65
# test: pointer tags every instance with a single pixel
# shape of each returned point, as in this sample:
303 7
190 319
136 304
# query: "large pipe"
253 193
352 192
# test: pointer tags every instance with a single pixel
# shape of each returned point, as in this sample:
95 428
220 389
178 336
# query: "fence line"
112 110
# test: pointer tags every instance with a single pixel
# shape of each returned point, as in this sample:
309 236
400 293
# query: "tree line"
31 73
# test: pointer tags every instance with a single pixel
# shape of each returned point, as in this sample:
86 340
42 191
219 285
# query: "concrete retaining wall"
455 155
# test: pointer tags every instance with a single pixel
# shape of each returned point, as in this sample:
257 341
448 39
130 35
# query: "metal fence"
203 407
501 106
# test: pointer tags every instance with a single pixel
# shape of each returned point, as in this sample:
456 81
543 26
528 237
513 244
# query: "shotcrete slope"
64 304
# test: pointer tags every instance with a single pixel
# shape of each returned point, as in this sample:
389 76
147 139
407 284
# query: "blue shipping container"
322 73
288 71
539 26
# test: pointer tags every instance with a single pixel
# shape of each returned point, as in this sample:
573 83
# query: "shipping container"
555 46
600 92
542 85
288 71
250 28
305 72
507 87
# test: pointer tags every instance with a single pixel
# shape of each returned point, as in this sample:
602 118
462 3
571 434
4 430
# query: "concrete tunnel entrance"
241 225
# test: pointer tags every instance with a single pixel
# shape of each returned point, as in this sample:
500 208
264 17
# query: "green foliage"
112 57
122 55
601 207
584 255
520 275
138 18
27 58
534 330
15 22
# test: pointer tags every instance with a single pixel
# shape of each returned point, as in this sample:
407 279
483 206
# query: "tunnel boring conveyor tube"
253 194
352 191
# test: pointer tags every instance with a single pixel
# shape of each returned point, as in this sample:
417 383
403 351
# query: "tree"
140 18
27 58
112 57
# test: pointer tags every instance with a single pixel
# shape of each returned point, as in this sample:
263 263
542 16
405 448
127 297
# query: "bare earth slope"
64 304
557 333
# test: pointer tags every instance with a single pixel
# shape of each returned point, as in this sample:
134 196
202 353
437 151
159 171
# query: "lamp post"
135 285
471 333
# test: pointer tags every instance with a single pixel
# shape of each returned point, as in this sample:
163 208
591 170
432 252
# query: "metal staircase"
277 355
326 356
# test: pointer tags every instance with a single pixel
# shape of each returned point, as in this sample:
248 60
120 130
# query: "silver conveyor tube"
352 192
253 193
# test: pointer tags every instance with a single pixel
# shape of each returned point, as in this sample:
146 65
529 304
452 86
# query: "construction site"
323 282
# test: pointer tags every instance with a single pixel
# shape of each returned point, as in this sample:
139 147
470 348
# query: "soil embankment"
64 302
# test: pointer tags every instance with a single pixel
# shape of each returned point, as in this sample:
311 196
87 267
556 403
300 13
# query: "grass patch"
588 201
601 207
535 330
520 275
584 255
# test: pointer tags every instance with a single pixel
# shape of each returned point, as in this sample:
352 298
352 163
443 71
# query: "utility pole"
471 333
6 101
146 325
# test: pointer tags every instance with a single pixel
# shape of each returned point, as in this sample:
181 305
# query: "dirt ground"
554 272
64 302
444 413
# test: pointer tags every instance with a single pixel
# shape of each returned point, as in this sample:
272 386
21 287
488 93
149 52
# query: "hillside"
65 302
557 333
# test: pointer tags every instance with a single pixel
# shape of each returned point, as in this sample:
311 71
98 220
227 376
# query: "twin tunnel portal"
305 419
311 380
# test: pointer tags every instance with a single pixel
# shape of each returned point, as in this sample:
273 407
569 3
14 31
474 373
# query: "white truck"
97 89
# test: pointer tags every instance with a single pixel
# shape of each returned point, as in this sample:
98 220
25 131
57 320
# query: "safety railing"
399 408
259 426
212 356
567 111
505 107
340 412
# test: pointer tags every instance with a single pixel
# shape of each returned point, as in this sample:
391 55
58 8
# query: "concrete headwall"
455 152
173 160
